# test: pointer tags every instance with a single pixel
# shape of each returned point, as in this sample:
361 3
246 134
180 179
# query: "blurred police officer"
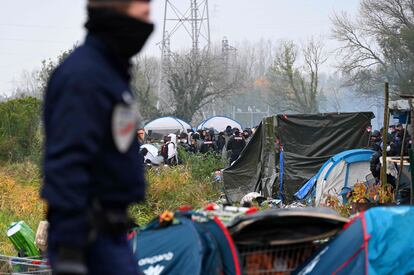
236 145
91 168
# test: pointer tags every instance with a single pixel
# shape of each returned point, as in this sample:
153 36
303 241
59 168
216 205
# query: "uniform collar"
121 64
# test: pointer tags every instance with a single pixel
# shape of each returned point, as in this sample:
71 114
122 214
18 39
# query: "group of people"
395 144
229 143
395 136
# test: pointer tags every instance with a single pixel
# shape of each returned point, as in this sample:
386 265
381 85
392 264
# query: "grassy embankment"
168 188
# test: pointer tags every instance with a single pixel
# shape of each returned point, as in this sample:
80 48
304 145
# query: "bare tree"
28 85
378 44
296 87
34 83
197 80
144 85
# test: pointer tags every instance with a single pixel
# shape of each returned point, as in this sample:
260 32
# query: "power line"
36 41
37 26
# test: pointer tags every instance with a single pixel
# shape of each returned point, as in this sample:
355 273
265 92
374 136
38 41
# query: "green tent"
308 142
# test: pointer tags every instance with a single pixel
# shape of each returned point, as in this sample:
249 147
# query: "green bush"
20 136
169 188
201 166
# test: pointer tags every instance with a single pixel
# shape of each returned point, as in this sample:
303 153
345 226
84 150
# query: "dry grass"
19 200
168 188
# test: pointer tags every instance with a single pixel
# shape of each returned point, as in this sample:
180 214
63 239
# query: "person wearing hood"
92 173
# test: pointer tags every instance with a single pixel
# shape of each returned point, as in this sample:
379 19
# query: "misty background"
32 32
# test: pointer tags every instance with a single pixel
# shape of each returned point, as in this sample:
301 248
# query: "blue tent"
379 241
340 171
185 246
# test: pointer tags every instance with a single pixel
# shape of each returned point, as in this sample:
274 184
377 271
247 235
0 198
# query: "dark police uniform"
236 145
91 157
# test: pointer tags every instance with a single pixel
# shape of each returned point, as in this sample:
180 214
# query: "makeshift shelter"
254 170
219 123
308 141
341 171
164 126
378 241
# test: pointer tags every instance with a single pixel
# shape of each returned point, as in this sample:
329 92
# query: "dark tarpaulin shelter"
308 142
255 168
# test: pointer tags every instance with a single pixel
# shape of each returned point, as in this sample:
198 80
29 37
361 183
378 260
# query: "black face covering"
124 34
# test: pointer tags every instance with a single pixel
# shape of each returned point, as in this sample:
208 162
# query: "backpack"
164 151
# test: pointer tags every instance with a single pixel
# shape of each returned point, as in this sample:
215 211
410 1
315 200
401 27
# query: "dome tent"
164 126
342 170
219 123
378 241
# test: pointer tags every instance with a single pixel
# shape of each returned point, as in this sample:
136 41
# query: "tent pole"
384 137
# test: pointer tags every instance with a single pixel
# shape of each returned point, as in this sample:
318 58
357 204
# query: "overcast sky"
34 30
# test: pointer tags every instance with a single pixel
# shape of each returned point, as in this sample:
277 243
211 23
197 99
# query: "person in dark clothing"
375 141
375 168
221 142
92 172
247 135
208 145
375 165
183 142
195 142
236 145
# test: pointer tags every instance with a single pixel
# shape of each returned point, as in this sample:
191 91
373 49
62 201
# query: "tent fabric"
166 125
185 246
310 140
169 256
255 169
219 123
378 241
342 170
153 150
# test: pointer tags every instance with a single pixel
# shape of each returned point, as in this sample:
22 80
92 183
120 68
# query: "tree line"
376 45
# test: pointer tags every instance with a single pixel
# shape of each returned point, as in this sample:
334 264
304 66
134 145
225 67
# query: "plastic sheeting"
254 170
219 123
308 140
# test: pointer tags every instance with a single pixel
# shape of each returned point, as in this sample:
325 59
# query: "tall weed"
20 137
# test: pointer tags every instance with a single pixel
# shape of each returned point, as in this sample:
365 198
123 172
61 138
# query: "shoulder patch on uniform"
127 97
124 124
